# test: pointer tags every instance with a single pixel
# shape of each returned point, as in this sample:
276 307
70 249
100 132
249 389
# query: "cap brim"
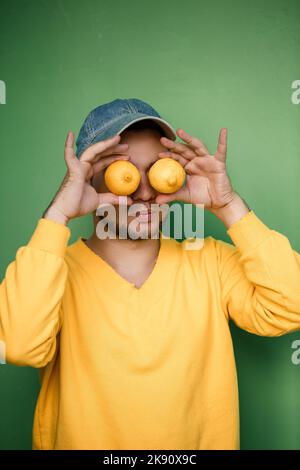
120 124
166 127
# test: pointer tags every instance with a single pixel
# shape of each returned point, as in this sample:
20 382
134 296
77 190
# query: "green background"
203 65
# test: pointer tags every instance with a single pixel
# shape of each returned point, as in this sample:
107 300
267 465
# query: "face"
143 150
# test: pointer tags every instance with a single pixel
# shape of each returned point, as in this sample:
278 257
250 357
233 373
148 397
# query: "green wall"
203 65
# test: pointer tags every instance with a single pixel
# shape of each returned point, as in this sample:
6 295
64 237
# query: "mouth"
144 216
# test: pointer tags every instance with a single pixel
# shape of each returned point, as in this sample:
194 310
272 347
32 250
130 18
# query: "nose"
144 192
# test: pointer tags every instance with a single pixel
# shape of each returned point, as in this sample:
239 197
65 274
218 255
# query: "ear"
97 182
93 182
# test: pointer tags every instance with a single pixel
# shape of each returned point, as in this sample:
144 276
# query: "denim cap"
112 118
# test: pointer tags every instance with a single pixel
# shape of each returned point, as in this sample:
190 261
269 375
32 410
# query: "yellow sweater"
148 368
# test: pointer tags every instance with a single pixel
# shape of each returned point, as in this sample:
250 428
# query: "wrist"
233 211
54 214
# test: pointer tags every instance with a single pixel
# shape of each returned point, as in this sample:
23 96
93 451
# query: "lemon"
166 175
122 177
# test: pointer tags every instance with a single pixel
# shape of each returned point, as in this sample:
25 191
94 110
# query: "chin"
144 230
149 230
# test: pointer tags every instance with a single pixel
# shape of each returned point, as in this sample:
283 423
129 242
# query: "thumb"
69 155
110 198
165 198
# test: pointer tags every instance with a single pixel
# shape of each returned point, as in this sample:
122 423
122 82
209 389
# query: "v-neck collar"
107 277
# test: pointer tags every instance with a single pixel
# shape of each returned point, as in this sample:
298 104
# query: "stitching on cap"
104 128
135 110
90 125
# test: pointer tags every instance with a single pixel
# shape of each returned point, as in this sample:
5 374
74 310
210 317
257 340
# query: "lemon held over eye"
122 177
166 175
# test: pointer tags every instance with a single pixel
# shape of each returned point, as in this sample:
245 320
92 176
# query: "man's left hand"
207 181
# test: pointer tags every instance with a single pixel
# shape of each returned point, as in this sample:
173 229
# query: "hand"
76 195
207 181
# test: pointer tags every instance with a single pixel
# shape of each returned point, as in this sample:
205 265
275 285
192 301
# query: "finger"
203 166
111 198
195 143
119 148
69 149
110 152
222 145
180 195
195 168
175 156
98 148
177 147
106 161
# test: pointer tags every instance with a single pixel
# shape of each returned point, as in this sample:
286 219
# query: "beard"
132 229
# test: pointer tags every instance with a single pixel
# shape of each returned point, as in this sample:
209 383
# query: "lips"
144 216
149 211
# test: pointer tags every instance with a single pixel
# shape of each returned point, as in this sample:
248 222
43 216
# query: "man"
132 336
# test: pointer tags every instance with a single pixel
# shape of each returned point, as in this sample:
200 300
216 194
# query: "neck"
132 259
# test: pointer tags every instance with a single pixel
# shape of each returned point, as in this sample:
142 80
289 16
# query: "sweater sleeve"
31 294
260 278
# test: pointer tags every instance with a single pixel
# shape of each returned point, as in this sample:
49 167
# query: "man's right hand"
76 196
